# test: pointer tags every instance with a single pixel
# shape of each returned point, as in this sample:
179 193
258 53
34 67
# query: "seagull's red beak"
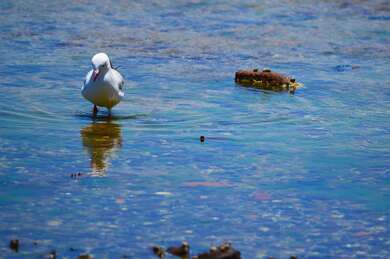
95 74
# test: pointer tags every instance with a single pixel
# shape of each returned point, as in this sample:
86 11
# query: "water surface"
278 175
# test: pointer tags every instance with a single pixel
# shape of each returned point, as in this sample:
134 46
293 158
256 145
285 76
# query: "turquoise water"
278 175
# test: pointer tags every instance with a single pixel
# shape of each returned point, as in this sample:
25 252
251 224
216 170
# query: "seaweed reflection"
101 139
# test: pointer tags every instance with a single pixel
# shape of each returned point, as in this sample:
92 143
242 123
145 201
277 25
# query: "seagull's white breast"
106 90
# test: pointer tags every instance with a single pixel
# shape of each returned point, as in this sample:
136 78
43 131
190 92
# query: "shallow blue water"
278 175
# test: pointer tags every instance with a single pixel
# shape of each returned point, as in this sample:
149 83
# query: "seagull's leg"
109 112
95 110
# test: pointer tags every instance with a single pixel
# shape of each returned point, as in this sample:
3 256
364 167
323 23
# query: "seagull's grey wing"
119 79
87 81
88 77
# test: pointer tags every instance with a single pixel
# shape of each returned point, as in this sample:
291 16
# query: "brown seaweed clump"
14 245
159 251
224 251
266 79
182 251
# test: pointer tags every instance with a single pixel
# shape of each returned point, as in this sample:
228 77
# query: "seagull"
103 85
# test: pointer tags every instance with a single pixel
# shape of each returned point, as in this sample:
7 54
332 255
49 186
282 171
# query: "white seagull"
103 85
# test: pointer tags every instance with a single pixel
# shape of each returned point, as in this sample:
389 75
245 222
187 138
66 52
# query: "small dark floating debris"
76 175
180 251
159 251
344 68
266 79
14 245
85 256
202 139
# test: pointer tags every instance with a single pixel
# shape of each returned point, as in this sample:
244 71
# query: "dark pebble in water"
85 256
14 245
293 257
202 139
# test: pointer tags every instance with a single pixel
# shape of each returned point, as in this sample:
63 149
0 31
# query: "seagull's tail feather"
112 66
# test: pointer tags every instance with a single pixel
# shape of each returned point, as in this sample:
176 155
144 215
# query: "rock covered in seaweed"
266 79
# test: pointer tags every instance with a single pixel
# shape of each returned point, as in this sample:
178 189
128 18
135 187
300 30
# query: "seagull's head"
100 63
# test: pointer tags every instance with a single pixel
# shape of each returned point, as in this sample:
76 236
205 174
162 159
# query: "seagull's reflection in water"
101 139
